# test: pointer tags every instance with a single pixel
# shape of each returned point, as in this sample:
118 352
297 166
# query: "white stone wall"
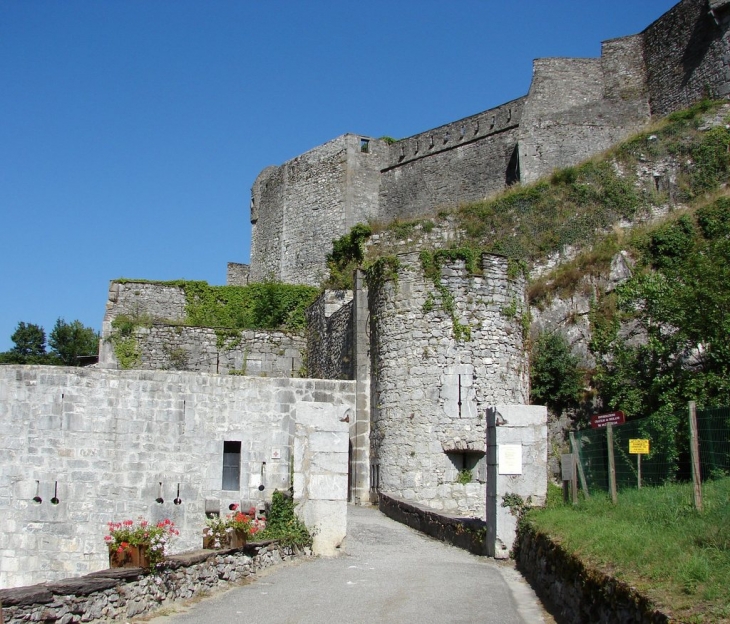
517 466
431 391
109 438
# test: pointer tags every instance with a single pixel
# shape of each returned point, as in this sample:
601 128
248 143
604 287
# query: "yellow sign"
639 447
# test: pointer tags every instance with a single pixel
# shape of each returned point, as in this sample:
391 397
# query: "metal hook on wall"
37 498
159 498
54 500
177 500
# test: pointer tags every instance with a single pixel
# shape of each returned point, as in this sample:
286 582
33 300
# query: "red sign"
601 420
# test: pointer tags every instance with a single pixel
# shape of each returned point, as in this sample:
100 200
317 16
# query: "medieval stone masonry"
575 108
418 377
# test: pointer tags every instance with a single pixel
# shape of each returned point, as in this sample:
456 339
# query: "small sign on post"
638 447
603 420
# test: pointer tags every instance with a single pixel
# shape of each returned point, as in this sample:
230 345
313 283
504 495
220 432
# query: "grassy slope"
655 541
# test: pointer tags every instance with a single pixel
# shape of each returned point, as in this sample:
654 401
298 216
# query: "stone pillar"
516 466
320 472
360 428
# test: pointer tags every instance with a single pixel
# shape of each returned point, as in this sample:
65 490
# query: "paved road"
387 573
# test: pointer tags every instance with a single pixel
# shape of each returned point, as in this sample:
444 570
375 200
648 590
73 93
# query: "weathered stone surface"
116 441
19 596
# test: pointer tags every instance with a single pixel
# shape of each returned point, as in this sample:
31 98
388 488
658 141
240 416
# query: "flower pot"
130 557
238 539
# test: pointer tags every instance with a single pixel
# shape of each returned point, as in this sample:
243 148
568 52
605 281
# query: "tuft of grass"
677 557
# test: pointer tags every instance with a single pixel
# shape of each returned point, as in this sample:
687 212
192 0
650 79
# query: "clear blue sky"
131 131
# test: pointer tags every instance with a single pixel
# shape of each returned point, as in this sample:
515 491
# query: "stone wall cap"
20 596
84 586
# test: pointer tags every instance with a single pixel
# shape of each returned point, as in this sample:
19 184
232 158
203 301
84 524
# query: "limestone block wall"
430 392
687 55
567 117
109 443
462 161
297 209
163 343
330 335
199 349
237 274
517 452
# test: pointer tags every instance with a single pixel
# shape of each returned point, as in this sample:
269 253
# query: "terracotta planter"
238 539
235 539
130 557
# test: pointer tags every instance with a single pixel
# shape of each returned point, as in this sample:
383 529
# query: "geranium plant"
155 537
220 529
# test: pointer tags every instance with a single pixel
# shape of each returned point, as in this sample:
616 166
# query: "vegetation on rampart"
227 309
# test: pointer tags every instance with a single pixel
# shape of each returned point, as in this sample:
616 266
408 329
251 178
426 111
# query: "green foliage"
465 476
556 379
384 269
124 341
348 253
656 541
283 524
678 308
388 139
431 263
71 340
29 347
264 305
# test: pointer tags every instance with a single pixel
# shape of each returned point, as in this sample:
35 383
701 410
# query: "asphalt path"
386 572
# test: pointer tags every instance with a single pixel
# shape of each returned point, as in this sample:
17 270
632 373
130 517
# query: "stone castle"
397 402
575 108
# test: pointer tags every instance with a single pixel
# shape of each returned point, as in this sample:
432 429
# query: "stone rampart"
110 445
163 342
463 161
123 593
431 390
237 274
330 336
687 55
299 208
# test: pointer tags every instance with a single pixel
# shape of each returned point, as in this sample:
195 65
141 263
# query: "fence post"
611 464
694 451
581 472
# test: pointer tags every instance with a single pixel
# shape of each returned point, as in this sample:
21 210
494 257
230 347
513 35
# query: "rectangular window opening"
365 146
468 467
231 466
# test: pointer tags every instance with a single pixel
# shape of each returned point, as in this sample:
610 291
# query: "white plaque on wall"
509 459
275 453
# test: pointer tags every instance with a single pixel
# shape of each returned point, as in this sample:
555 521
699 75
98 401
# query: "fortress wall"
462 161
687 56
624 70
163 345
308 202
330 336
237 274
421 375
110 437
567 119
248 352
267 224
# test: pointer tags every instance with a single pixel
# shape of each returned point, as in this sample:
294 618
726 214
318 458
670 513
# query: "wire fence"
669 459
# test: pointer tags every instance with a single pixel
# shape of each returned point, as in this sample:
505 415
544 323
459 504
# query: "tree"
68 341
30 346
556 379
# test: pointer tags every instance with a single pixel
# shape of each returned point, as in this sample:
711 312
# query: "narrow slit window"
231 466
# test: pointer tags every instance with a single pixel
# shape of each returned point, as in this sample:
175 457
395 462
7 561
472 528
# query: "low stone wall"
576 593
467 533
123 593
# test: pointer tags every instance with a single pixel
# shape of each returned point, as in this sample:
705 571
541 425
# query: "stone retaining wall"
123 593
466 533
576 593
